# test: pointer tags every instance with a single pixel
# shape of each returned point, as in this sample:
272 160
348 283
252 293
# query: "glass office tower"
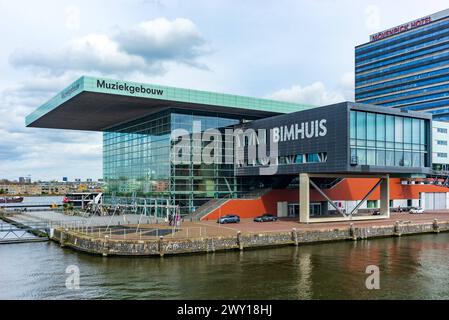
136 161
407 67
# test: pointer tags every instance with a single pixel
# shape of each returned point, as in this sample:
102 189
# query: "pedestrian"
178 220
170 219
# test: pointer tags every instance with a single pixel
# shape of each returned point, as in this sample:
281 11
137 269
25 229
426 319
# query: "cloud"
162 39
347 85
72 18
94 52
148 48
144 48
43 153
348 80
315 94
372 20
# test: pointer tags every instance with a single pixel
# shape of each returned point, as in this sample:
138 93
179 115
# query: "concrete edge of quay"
36 232
167 246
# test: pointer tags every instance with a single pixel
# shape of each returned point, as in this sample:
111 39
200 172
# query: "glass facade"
136 161
388 140
409 70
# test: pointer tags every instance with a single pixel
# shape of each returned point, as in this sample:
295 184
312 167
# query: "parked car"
416 210
230 218
266 218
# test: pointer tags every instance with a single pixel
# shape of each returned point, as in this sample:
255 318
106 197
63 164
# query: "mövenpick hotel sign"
409 25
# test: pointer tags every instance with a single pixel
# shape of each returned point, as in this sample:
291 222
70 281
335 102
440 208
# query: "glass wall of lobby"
388 140
136 161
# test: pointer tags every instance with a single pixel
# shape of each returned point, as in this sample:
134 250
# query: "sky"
299 51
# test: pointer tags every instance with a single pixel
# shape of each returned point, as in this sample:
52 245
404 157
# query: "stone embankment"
241 241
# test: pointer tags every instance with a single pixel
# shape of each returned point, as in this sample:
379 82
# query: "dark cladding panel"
331 138
329 147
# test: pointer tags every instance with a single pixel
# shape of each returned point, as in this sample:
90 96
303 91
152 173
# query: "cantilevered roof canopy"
97 104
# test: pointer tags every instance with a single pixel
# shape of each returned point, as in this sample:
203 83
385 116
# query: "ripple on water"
411 267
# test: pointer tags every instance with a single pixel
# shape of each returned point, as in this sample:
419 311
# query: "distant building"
46 187
24 180
14 188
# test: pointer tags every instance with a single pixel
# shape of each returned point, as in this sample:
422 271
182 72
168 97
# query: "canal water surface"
414 267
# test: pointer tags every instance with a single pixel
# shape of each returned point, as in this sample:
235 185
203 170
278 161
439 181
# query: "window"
361 128
371 204
398 129
407 130
371 157
390 128
380 130
442 155
407 159
416 159
352 124
361 156
399 159
295 159
371 128
389 159
441 130
354 160
312 157
415 132
442 142
423 140
388 140
380 155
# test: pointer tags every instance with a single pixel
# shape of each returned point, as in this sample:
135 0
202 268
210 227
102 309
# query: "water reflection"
411 267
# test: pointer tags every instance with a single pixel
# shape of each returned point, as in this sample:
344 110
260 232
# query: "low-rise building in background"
37 188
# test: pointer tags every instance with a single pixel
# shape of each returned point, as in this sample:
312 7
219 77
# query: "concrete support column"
304 197
385 196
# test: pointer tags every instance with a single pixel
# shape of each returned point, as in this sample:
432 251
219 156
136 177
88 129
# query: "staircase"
440 178
206 208
214 204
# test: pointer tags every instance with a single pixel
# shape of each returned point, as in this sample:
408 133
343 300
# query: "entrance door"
315 209
293 210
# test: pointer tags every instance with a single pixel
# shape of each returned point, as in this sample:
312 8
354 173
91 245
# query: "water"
414 267
37 200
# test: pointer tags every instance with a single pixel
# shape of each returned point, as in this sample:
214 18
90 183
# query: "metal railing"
134 233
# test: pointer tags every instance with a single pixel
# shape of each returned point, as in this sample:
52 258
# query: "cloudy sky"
299 50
